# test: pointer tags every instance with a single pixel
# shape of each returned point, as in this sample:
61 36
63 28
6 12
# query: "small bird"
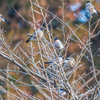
63 92
3 19
58 44
60 59
69 61
39 35
91 8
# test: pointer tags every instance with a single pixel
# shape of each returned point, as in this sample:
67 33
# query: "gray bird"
60 59
69 61
3 19
39 35
63 92
58 44
90 7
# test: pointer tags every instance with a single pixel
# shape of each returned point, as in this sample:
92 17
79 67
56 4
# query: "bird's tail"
28 39
98 13
6 21
48 62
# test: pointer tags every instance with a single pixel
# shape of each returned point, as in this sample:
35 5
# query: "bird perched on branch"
3 19
39 33
58 44
69 61
63 92
60 59
90 8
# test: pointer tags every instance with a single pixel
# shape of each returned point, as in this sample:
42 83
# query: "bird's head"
41 29
87 2
56 39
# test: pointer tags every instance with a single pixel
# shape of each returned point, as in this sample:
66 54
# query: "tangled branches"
56 79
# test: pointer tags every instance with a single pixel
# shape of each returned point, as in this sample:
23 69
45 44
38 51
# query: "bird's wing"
34 35
48 62
93 8
58 44
2 17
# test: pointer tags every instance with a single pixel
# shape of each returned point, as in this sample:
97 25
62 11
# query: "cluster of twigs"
49 80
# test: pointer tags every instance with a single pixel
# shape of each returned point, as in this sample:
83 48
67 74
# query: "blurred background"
18 29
